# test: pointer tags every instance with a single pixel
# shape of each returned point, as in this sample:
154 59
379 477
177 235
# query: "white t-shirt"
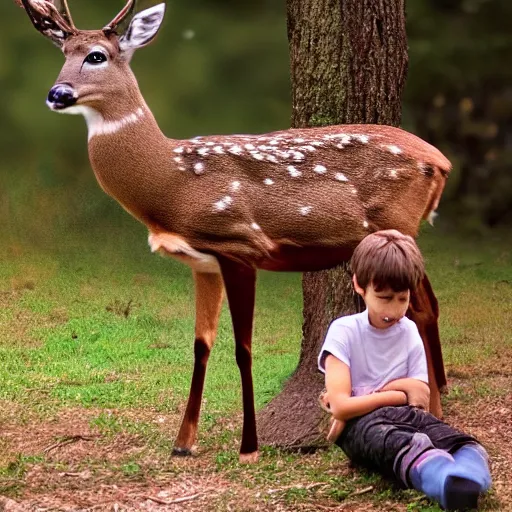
375 356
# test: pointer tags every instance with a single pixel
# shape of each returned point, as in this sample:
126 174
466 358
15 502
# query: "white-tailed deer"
296 200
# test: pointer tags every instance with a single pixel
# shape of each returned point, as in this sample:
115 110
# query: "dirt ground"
76 468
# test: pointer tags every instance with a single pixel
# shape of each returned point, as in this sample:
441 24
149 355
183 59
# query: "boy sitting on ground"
377 386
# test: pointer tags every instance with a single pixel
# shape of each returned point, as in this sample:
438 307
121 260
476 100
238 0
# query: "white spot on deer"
219 150
177 159
394 149
168 244
268 181
178 150
199 168
305 210
362 138
365 224
97 125
432 217
255 226
181 168
257 156
210 143
294 173
236 150
320 169
345 139
235 186
297 155
308 148
393 173
298 140
203 151
188 150
317 143
249 146
272 158
340 177
354 191
223 203
274 142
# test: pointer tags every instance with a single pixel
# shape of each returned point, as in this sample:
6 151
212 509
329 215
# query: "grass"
97 330
99 327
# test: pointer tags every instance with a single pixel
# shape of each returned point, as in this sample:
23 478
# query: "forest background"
222 67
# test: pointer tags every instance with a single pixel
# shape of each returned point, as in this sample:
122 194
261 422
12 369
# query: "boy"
377 385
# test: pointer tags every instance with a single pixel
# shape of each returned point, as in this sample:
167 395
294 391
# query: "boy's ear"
142 29
357 288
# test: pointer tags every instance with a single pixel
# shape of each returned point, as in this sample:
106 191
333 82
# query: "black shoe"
460 493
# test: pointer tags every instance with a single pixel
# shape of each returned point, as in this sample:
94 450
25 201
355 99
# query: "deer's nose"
61 96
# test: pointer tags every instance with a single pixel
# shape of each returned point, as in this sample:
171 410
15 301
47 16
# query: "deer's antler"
122 20
62 7
50 17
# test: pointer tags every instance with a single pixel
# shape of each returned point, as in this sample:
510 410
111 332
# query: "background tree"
348 65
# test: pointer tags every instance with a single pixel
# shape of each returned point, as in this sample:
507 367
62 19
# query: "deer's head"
96 72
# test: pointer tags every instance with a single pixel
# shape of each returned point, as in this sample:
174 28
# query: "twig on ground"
362 491
68 440
172 502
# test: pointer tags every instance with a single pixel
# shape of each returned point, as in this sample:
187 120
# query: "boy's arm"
339 388
415 383
417 391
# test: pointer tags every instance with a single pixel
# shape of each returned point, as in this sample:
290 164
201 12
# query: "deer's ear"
142 29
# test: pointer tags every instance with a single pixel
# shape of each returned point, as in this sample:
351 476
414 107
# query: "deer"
227 206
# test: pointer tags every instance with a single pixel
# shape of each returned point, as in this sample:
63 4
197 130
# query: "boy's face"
385 307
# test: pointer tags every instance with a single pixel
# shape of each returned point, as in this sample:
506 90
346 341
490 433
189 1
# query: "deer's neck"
98 125
129 155
114 118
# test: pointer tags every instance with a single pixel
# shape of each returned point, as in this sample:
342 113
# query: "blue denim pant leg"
388 440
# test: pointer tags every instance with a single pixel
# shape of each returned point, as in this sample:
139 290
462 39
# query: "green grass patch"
100 323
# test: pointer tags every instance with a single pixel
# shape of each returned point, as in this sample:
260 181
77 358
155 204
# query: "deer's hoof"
182 452
249 458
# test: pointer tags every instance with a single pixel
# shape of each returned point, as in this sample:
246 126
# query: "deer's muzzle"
61 96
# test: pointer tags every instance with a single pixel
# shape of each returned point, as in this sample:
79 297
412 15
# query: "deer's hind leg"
240 283
424 311
209 293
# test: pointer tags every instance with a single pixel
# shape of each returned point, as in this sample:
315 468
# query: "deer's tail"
439 171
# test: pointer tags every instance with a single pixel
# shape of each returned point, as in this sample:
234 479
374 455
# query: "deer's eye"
95 58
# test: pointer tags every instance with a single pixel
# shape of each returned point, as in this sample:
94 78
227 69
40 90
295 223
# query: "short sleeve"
337 343
417 360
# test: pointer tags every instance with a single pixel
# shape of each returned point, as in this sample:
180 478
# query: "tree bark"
348 65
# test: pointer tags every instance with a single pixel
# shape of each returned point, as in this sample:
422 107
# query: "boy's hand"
335 429
418 392
335 426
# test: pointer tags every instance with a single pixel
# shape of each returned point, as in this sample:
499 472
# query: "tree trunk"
348 65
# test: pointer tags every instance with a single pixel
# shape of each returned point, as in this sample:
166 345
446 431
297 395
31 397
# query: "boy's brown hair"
388 259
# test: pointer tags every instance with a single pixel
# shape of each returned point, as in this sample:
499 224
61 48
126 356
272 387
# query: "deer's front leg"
240 284
209 293
424 311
